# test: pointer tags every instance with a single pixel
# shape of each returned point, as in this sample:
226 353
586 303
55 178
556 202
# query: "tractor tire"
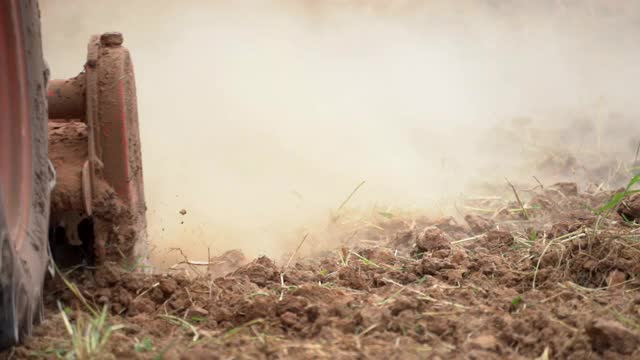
24 253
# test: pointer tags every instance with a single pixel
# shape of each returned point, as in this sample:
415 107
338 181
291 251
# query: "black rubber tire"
22 270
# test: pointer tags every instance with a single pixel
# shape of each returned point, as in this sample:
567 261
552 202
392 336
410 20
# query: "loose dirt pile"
541 277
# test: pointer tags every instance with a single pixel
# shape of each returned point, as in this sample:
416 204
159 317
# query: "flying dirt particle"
183 212
610 335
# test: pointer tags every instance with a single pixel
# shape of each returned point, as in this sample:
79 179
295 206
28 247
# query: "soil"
559 282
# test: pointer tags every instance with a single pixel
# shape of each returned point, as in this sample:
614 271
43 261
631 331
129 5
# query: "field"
546 272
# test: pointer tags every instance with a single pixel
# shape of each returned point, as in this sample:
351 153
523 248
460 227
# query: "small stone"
183 212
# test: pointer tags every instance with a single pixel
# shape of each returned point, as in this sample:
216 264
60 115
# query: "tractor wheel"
25 175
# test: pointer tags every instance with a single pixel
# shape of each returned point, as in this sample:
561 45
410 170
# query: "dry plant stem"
515 192
468 239
535 274
286 267
423 295
295 253
74 289
147 290
539 182
344 203
187 261
193 329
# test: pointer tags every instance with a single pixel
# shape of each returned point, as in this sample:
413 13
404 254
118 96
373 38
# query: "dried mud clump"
262 271
432 239
610 336
479 224
630 208
498 238
484 347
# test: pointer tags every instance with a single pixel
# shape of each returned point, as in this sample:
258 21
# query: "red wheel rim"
15 130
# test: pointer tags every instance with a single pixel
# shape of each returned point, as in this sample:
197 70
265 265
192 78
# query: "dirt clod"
168 286
432 239
108 274
484 342
630 208
616 278
608 335
497 238
479 224
142 306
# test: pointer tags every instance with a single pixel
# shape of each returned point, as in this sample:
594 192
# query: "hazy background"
258 117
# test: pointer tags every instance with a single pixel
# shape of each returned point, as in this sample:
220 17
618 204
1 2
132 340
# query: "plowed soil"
554 280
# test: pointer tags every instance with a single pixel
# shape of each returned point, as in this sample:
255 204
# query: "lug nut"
111 39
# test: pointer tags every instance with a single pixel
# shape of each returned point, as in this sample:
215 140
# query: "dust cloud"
259 117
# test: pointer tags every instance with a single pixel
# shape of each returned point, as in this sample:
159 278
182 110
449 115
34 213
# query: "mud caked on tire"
24 249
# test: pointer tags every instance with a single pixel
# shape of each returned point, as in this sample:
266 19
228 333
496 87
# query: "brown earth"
550 281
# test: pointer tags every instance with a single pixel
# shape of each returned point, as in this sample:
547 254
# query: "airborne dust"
259 117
